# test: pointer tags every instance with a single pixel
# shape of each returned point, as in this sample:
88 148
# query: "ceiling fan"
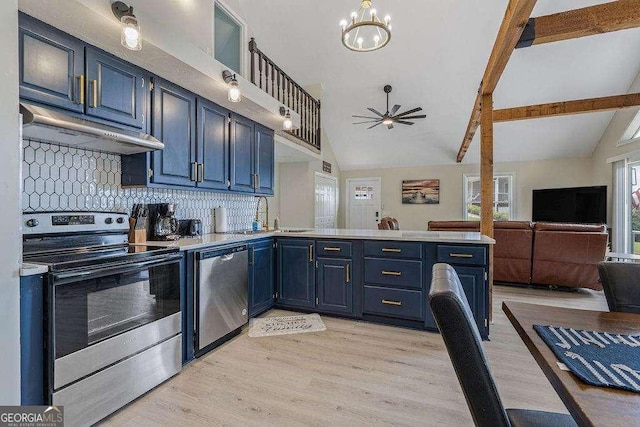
390 117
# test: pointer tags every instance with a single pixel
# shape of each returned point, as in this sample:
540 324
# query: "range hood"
51 126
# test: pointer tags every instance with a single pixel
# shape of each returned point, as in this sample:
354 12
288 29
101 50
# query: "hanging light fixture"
233 93
130 36
364 31
287 124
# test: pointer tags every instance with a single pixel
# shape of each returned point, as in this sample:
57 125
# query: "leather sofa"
541 253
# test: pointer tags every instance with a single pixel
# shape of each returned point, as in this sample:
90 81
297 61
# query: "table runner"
598 358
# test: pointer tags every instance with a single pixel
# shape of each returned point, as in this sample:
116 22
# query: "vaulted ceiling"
435 60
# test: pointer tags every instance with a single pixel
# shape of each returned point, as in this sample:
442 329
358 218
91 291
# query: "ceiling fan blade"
375 111
368 121
390 126
421 116
366 117
394 110
404 122
414 110
377 124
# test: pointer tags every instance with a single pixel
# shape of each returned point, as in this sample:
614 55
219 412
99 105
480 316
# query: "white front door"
326 204
363 203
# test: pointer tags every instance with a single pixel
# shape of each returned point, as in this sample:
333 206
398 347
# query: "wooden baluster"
252 46
319 126
260 68
273 76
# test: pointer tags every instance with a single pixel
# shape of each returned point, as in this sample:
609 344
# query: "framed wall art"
421 192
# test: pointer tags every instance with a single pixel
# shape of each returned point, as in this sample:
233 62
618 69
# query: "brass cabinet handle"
387 302
391 273
94 94
194 171
257 181
80 89
348 273
391 250
461 255
331 249
200 172
310 253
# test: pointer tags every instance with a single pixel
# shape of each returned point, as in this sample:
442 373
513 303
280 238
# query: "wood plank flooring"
354 373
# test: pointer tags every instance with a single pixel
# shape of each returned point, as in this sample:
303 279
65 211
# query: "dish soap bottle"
276 223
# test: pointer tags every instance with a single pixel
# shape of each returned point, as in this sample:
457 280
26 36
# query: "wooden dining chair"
461 337
621 285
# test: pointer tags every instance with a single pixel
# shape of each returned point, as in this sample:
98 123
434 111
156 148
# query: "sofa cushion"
580 228
512 253
527 225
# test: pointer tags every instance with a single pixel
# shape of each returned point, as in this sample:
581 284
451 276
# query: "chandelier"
365 31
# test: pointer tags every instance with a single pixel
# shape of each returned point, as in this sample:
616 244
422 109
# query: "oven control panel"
73 219
71 222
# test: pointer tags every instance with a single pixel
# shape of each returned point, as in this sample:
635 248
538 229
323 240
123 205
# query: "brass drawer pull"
388 302
391 273
391 250
332 249
348 273
200 172
310 253
461 255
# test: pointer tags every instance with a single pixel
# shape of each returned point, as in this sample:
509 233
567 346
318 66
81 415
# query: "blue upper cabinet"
116 90
212 145
265 159
243 177
174 123
51 66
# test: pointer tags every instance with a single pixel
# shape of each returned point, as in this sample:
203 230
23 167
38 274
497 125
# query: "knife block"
136 235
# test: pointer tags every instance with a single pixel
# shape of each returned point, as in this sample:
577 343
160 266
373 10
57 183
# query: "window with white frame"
503 199
633 131
228 38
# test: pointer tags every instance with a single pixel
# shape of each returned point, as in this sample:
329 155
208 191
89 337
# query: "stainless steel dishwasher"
221 295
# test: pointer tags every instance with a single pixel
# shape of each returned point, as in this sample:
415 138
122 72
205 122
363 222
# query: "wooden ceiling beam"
515 19
608 103
603 18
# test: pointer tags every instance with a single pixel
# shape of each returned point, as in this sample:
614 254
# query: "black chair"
451 311
621 284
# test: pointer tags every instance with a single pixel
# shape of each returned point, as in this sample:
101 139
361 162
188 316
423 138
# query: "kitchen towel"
220 217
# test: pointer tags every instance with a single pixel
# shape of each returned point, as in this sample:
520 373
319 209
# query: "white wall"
10 236
556 173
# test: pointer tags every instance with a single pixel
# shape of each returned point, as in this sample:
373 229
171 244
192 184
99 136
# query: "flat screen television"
582 205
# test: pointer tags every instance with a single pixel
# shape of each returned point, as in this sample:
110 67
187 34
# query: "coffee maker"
163 224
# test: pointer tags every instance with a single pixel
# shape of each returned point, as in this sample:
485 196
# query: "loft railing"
269 77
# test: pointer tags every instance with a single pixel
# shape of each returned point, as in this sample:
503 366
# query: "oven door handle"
119 268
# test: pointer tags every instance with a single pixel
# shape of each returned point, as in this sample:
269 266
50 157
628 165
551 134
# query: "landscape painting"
421 191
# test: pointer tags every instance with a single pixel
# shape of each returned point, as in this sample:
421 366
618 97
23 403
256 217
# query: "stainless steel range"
113 319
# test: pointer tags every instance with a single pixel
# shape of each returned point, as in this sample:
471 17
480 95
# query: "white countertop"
189 243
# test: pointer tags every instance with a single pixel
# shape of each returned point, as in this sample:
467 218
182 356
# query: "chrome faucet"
266 223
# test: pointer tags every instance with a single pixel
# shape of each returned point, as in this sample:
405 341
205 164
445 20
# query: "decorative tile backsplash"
58 178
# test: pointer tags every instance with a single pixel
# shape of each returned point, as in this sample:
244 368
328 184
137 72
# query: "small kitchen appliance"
190 227
164 225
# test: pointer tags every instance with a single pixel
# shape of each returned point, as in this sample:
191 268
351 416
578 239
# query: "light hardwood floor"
354 373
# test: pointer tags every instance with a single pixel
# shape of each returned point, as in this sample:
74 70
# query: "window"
633 131
228 33
503 205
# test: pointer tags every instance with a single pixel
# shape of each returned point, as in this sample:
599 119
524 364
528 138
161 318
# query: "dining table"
589 405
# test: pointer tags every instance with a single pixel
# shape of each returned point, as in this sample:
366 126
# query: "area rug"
285 325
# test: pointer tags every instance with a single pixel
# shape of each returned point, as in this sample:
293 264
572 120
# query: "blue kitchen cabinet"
51 65
335 285
264 159
296 273
32 351
261 277
116 90
174 123
212 145
473 283
242 154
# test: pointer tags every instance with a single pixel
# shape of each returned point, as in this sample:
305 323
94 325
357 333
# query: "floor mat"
285 325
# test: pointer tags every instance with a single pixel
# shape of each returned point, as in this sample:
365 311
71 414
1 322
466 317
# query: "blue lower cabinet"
261 275
473 283
397 303
335 285
32 353
296 273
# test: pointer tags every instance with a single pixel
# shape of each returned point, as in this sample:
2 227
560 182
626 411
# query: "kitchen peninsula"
381 276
